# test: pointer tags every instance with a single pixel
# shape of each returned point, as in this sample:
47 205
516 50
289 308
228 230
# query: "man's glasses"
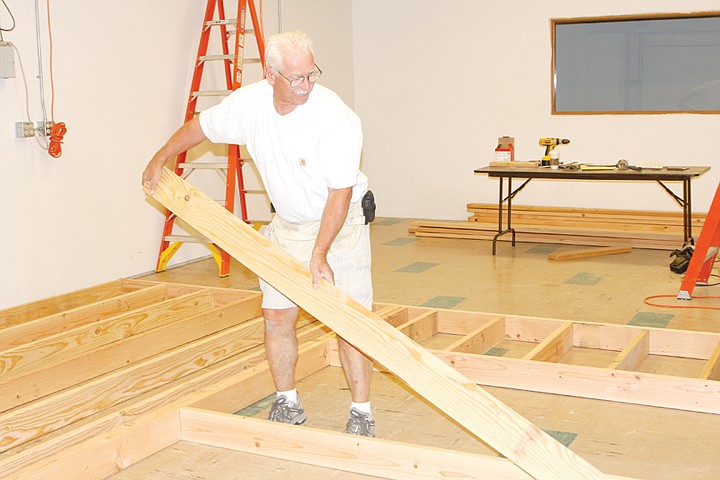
297 80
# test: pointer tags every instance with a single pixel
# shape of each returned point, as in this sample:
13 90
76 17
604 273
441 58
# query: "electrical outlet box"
24 129
7 60
44 128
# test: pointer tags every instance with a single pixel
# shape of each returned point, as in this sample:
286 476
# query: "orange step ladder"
232 170
706 251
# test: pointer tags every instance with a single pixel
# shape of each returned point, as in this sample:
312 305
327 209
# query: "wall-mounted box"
7 60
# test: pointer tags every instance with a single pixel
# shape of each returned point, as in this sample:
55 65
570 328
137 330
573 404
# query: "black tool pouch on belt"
368 206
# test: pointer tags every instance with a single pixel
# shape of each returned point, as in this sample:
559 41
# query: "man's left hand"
320 268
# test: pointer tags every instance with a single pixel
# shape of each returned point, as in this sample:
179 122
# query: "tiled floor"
462 274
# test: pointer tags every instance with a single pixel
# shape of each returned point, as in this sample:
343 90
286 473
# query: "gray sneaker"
283 411
360 423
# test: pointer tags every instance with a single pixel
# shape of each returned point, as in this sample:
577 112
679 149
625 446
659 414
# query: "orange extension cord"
58 129
701 307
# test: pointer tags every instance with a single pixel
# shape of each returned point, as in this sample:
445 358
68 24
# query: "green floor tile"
417 267
257 407
497 352
586 278
542 249
650 319
442 301
566 438
400 241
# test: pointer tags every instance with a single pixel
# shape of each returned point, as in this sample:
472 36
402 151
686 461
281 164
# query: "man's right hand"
151 175
186 137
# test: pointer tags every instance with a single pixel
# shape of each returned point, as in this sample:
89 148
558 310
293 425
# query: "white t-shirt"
298 155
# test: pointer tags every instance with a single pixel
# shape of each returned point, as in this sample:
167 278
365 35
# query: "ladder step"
255 192
212 93
204 58
186 239
203 165
248 31
209 58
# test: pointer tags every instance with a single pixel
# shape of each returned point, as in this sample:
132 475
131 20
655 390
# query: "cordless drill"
550 144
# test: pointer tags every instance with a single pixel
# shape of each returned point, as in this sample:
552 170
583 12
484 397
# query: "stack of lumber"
573 226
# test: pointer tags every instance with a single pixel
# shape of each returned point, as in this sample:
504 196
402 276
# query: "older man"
306 144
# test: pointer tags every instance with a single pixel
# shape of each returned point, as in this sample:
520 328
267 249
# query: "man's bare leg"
281 345
358 371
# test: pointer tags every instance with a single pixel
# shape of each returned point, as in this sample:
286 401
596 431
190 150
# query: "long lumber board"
523 443
565 235
588 214
368 456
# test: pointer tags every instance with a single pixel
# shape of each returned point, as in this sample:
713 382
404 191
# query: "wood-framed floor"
620 439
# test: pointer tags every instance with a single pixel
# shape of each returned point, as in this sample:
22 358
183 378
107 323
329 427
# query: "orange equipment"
706 251
233 65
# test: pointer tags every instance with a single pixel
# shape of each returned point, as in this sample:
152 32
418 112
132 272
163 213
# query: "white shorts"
349 256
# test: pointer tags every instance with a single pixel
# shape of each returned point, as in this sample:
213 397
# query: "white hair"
285 44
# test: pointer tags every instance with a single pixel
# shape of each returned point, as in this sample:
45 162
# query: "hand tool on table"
550 144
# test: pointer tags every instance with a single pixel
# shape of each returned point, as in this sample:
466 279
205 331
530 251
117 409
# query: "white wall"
122 73
436 83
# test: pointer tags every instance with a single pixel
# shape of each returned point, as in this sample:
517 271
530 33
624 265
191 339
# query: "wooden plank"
481 339
37 418
20 333
634 354
587 252
696 395
552 348
666 244
603 336
460 227
75 341
531 329
421 327
75 369
393 314
59 303
505 430
514 163
367 456
698 217
711 371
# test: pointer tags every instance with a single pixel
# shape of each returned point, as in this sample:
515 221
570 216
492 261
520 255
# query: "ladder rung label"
227 21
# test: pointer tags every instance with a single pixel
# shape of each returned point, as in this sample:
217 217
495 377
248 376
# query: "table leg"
501 231
687 212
